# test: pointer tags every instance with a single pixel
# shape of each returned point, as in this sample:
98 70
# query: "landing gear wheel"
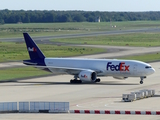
79 81
141 82
71 81
75 81
98 80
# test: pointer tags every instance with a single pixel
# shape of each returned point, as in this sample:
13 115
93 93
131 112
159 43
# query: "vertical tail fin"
36 56
33 50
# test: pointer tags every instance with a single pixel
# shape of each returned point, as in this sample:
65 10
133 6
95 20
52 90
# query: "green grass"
24 72
18 51
135 39
145 57
45 29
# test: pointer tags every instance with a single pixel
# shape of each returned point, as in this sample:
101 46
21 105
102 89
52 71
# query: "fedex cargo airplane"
86 70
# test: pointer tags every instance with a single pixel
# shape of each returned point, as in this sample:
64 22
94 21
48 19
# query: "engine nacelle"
120 78
88 75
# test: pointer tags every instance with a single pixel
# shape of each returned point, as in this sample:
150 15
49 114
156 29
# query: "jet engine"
88 76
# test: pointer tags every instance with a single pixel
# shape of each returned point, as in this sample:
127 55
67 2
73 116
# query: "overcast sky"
86 5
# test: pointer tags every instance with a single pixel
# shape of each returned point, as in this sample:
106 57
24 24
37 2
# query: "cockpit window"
148 67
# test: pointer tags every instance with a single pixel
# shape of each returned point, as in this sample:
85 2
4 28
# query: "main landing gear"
75 80
141 82
98 80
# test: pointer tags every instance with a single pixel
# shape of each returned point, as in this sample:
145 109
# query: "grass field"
135 39
18 51
15 73
144 58
45 29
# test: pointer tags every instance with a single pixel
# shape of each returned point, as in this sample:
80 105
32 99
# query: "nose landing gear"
141 82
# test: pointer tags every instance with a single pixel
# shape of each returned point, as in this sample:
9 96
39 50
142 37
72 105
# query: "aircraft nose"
152 71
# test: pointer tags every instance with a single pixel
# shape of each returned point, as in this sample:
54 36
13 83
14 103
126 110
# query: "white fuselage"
109 67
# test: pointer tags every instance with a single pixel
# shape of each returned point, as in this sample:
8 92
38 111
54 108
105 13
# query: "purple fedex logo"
120 67
32 49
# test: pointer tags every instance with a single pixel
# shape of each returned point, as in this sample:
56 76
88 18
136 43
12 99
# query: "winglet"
33 50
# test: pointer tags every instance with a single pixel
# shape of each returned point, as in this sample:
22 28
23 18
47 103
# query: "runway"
83 35
101 96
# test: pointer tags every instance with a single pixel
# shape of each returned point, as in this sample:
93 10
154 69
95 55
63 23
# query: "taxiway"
100 96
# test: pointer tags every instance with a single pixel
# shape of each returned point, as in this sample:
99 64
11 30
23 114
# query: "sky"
85 5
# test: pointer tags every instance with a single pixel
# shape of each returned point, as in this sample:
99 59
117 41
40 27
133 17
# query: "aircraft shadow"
30 83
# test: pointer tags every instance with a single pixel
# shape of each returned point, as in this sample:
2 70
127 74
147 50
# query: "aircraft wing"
73 71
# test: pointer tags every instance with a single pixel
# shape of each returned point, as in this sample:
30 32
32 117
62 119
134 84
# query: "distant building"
98 19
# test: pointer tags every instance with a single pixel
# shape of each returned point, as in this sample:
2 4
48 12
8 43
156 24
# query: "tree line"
37 16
